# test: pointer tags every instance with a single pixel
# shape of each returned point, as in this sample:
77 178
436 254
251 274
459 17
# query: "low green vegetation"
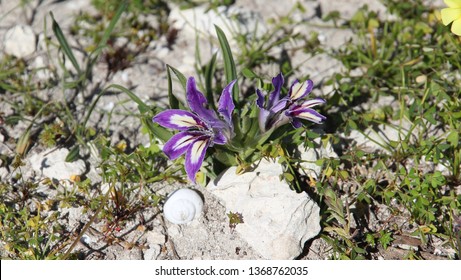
400 76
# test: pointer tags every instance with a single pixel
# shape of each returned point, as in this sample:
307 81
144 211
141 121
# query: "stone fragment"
52 164
153 252
277 221
321 150
154 237
19 41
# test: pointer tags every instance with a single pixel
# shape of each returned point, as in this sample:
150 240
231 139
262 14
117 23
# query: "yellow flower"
452 14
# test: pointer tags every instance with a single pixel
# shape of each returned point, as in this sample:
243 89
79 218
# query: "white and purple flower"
200 129
289 109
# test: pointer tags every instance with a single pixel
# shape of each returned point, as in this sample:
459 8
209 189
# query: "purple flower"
200 129
289 109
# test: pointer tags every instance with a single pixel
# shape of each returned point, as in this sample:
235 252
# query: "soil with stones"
148 235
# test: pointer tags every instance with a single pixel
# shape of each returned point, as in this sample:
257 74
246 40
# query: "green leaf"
453 138
229 64
73 154
247 73
156 130
226 158
288 176
174 102
105 37
143 108
263 138
64 44
182 79
209 71
385 238
23 143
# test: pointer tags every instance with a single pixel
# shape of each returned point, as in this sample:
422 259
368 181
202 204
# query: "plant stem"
85 228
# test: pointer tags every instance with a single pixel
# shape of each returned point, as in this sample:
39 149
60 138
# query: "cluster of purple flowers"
204 127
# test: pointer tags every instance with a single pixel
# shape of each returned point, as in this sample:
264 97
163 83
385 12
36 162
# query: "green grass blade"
173 100
182 79
156 130
229 64
105 37
64 44
73 154
143 108
209 71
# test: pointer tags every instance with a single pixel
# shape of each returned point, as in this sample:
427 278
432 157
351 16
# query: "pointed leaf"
248 73
174 102
64 44
73 154
143 108
156 130
23 143
182 79
209 71
229 64
453 138
226 158
108 31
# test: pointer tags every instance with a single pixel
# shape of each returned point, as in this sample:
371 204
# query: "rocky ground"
149 235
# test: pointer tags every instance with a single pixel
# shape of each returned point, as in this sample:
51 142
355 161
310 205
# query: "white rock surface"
20 41
198 25
276 220
153 252
311 155
52 164
200 20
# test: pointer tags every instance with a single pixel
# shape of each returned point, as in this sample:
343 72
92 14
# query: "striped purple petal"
274 97
178 119
279 106
226 104
299 90
260 100
195 155
307 114
312 102
197 103
220 137
179 143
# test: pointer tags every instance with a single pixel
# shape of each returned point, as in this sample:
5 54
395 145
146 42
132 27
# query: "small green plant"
241 138
234 219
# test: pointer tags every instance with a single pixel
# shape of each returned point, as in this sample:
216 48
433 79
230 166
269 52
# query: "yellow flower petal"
450 14
456 27
453 3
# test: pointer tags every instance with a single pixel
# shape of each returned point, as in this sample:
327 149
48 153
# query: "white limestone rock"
197 27
153 252
19 41
276 220
53 165
321 150
202 21
154 240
